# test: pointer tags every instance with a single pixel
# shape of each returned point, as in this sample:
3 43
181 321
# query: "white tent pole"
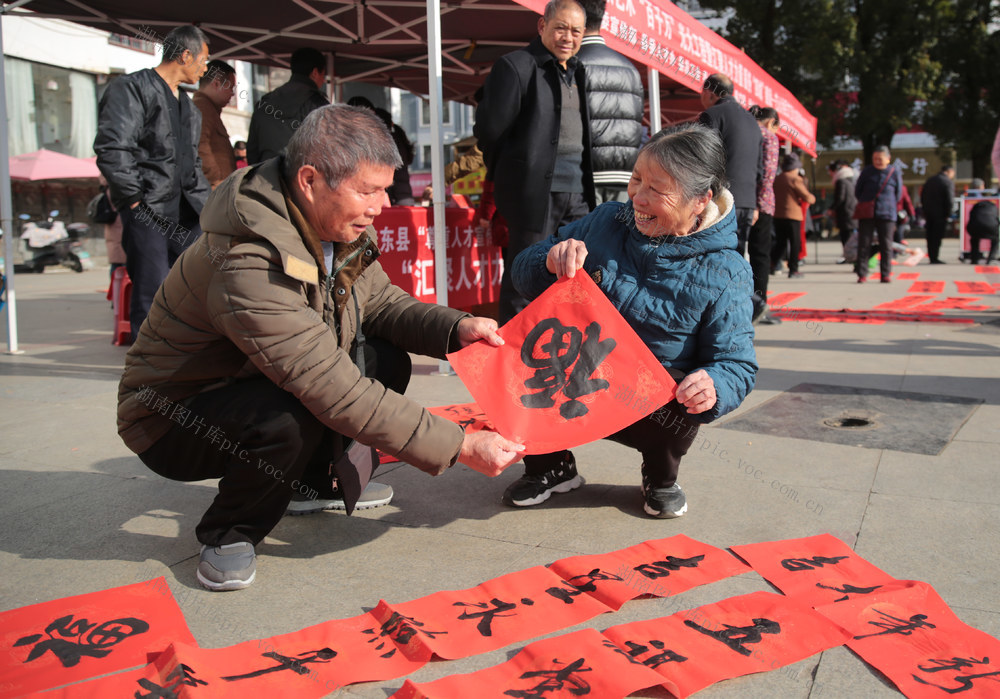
7 209
654 100
434 82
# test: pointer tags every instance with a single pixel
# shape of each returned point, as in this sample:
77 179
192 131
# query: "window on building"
427 158
57 109
425 113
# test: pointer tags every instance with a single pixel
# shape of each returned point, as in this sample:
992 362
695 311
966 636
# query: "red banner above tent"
662 36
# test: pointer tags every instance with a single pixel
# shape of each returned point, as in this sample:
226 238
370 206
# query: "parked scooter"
51 243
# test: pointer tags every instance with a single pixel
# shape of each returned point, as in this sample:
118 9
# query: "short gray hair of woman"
694 157
336 140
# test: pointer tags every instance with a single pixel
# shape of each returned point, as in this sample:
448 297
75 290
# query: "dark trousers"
744 222
759 247
264 445
845 226
867 229
935 234
787 235
662 438
974 253
152 243
564 207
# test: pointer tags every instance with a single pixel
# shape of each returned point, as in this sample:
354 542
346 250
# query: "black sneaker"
664 503
531 490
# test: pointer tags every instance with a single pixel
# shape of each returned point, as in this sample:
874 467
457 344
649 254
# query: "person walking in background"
744 151
762 232
533 127
215 90
878 190
937 198
790 193
844 202
147 148
282 110
614 99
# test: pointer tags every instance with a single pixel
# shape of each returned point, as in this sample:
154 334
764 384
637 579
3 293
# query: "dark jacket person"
282 110
147 148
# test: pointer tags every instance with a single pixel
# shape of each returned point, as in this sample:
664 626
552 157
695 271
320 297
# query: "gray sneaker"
374 495
664 503
227 567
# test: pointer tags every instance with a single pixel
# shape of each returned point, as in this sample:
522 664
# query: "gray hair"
882 149
553 6
694 157
186 37
336 140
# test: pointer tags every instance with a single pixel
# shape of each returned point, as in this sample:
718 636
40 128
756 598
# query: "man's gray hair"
186 37
693 155
336 140
553 6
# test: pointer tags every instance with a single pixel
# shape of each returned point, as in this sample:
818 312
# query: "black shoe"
938 262
531 490
768 319
663 503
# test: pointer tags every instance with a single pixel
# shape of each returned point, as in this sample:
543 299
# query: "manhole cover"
850 423
920 423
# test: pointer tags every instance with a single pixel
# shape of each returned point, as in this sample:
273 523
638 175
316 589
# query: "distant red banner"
406 246
664 37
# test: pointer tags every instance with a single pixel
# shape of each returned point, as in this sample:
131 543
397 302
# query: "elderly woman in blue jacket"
667 259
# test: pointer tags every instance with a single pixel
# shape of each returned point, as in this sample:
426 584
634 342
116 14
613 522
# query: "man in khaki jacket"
215 90
244 368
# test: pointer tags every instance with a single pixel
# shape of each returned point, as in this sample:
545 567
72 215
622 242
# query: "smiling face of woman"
659 203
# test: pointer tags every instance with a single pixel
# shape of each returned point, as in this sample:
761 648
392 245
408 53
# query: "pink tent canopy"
49 165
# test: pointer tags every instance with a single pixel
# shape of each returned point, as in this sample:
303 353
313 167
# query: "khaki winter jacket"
251 296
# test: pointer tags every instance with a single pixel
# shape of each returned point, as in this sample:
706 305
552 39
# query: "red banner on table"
737 636
75 638
908 633
406 247
571 371
660 568
816 569
577 664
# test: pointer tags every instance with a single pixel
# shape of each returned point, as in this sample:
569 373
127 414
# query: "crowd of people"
271 350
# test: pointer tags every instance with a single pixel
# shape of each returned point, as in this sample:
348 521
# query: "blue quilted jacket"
688 298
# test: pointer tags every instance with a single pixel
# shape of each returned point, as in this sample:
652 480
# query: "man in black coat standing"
147 149
937 198
280 112
614 99
743 142
533 128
